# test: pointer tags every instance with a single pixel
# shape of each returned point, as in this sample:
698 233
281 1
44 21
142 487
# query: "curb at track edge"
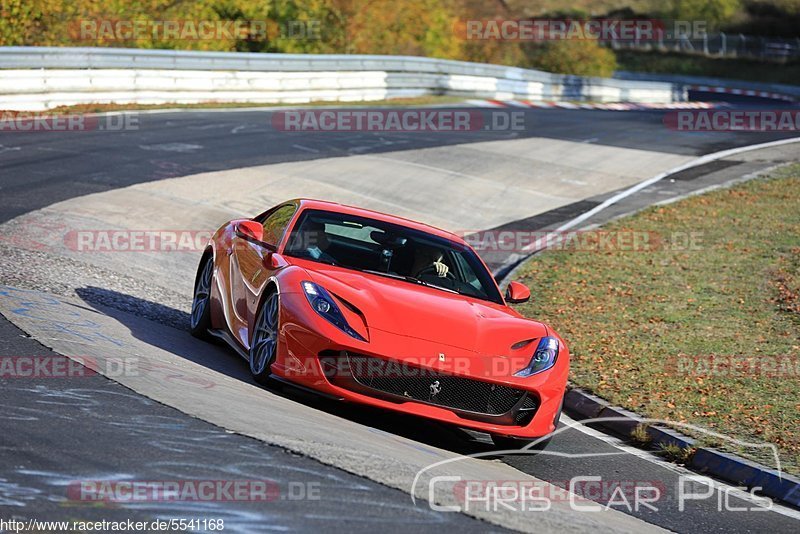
582 405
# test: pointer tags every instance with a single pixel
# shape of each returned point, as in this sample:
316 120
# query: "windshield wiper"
428 284
383 273
411 279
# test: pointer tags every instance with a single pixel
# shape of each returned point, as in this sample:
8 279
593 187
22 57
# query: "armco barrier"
775 91
35 78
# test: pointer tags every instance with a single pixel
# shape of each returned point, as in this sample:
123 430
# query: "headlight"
543 359
322 303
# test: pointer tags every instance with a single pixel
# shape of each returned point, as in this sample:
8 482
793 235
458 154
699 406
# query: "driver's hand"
441 268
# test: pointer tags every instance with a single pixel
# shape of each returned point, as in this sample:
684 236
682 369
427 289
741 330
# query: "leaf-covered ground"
702 324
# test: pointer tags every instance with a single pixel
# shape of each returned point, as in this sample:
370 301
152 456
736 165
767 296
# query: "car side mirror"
274 261
517 293
250 230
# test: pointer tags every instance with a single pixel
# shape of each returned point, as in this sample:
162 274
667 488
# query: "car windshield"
391 250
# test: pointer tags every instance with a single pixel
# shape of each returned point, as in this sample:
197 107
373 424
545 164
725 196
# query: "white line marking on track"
307 149
694 163
172 147
540 244
207 127
4 148
649 457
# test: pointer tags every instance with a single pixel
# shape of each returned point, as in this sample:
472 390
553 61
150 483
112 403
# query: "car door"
251 268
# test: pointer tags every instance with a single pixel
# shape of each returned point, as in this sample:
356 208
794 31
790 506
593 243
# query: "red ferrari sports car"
376 309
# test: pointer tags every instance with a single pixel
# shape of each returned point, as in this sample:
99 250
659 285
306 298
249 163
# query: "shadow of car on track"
137 314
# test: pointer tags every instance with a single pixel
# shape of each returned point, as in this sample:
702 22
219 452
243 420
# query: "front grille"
526 411
432 387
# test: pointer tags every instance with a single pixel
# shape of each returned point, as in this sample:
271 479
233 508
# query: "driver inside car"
316 242
429 258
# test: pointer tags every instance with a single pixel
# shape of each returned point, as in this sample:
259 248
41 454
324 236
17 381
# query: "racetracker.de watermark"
484 241
733 120
744 366
230 490
57 366
29 122
567 29
404 120
517 241
106 30
137 240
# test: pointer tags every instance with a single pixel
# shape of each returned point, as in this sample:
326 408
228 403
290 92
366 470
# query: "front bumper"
401 383
408 375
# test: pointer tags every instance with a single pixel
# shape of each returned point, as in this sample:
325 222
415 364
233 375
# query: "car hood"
413 310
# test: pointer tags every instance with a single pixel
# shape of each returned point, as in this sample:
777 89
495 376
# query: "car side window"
467 272
276 223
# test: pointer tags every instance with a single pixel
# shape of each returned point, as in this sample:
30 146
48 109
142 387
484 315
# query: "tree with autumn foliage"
581 57
411 27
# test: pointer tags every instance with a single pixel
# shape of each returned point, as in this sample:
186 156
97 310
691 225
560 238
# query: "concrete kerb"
730 468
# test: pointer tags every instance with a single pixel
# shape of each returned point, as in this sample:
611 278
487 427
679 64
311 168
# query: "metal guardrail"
791 92
719 45
24 57
45 77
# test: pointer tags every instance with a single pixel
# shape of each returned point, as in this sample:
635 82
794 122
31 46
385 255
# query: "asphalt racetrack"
196 414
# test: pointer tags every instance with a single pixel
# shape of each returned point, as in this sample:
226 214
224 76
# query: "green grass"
399 102
631 317
676 454
696 65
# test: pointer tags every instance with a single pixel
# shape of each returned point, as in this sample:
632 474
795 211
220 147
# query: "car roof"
308 203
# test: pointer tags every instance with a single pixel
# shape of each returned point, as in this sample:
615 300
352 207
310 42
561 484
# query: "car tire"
200 319
264 342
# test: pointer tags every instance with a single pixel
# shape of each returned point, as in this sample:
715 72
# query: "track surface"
56 431
40 169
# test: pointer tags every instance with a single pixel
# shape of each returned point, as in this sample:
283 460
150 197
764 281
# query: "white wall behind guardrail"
36 78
